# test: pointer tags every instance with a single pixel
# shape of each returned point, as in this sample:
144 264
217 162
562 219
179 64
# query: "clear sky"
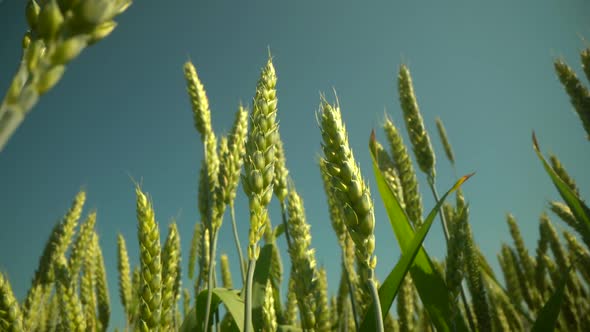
122 111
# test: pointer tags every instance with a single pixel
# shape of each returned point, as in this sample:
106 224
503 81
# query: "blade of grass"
429 283
231 300
547 317
579 209
391 285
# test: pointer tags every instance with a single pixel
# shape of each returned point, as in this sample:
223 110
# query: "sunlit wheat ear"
236 145
11 319
523 255
563 174
322 310
406 172
553 238
475 280
348 185
414 123
333 206
52 317
151 270
442 133
291 306
578 93
80 244
72 317
124 268
102 289
226 280
88 284
194 250
259 159
198 99
302 259
405 305
387 167
281 172
170 264
269 318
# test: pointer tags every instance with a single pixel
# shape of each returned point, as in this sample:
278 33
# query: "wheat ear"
170 265
11 319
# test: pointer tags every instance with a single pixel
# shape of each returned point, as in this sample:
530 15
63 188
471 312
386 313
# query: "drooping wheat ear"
72 317
542 246
302 259
259 159
281 171
79 247
291 306
170 264
333 207
347 184
475 279
11 319
102 289
580 254
125 289
585 57
88 284
405 305
194 250
322 320
524 258
406 172
456 250
234 160
387 167
226 280
442 133
563 174
151 268
414 123
578 93
269 318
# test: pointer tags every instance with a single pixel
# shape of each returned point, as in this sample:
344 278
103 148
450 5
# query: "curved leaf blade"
232 301
547 318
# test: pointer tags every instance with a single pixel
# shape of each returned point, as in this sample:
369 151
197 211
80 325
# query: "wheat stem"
375 297
237 241
248 302
210 278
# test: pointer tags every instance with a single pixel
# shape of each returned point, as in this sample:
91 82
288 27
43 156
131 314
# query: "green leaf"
232 301
576 205
390 287
429 283
279 230
261 276
547 318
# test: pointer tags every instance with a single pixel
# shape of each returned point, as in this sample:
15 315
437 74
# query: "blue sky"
121 112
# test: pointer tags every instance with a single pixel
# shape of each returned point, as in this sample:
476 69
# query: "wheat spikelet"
523 255
259 159
442 133
542 246
564 213
80 244
414 123
125 288
581 255
170 264
553 238
303 259
72 318
390 324
88 284
11 319
102 289
456 250
198 99
347 184
52 317
563 174
291 306
405 305
151 269
226 280
204 263
322 319
406 172
578 93
333 206
186 302
269 319
194 250
281 172
387 167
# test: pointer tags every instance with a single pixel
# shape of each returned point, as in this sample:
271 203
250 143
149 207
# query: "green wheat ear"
226 280
414 123
323 309
151 270
170 265
578 93
563 174
442 132
268 309
124 268
102 289
11 319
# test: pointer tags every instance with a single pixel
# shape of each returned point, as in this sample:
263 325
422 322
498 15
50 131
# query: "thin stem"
351 291
237 240
210 280
375 298
248 302
431 183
